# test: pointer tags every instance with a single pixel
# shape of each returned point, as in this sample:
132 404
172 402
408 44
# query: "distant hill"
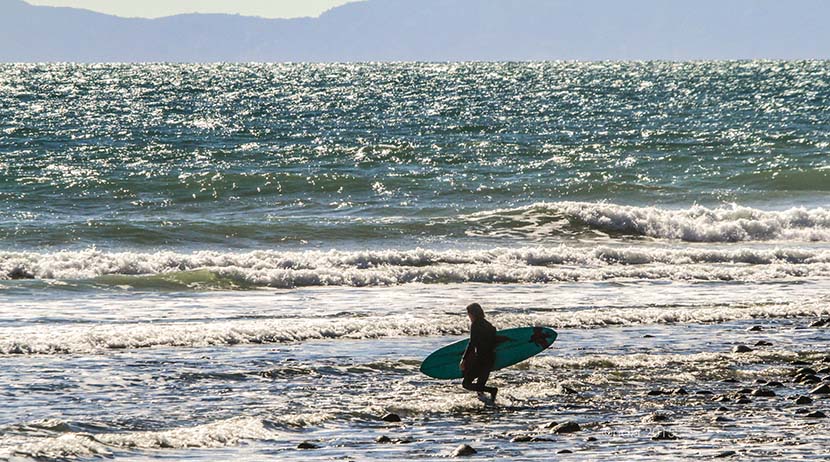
432 30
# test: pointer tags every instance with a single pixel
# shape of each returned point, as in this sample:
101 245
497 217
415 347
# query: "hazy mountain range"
432 30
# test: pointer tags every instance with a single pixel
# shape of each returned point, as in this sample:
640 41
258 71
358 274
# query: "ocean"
221 262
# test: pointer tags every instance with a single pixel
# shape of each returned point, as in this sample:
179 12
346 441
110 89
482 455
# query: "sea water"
215 262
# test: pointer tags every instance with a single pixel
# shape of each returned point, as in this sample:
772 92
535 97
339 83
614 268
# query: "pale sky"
158 8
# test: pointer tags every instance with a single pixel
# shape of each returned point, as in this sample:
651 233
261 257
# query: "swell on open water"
223 261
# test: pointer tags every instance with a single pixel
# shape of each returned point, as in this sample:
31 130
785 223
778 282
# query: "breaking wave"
219 270
695 224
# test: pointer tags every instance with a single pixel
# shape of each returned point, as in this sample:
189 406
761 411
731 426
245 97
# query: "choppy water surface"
223 261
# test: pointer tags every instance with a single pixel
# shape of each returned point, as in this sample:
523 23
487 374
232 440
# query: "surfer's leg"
482 384
468 382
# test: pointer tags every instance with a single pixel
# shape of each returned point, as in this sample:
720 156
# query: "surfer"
478 358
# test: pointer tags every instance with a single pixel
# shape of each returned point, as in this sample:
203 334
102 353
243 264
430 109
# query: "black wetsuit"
479 356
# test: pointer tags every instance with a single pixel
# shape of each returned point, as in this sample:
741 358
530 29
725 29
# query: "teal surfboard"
514 346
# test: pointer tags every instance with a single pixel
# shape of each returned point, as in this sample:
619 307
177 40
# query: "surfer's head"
474 311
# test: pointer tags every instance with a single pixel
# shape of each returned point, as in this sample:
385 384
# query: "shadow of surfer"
478 358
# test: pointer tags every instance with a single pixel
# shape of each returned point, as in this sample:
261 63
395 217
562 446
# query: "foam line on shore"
74 339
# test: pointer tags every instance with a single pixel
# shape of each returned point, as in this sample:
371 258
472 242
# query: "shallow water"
212 262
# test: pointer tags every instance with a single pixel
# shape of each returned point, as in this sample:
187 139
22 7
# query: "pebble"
391 418
809 379
663 435
567 427
763 393
742 349
725 454
464 450
306 445
821 390
803 400
816 415
805 371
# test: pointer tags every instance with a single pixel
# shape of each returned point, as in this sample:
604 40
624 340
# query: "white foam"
695 224
99 338
228 432
379 268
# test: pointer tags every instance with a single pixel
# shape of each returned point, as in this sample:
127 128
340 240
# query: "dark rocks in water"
809 379
763 393
799 362
763 343
730 380
567 427
655 392
725 454
816 415
820 323
550 424
306 445
744 391
742 400
565 451
821 390
825 359
823 371
391 418
521 439
755 329
722 409
722 399
590 439
568 390
679 391
648 336
775 384
663 435
383 439
721 418
761 381
803 400
704 392
742 349
657 418
463 450
802 411
805 371
20 273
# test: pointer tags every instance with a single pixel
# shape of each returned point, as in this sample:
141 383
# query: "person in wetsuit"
480 354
